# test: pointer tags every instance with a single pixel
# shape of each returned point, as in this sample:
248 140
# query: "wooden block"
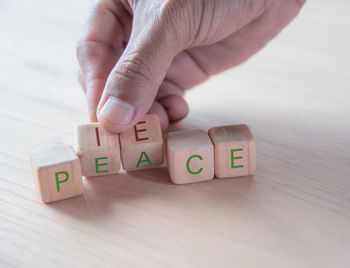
234 148
57 173
142 146
98 150
190 156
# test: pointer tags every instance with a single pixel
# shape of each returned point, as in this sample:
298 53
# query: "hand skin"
139 56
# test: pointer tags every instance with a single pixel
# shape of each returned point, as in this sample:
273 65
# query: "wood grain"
294 212
142 146
98 150
234 150
57 173
190 156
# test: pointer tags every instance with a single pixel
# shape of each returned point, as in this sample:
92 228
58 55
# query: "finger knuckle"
134 67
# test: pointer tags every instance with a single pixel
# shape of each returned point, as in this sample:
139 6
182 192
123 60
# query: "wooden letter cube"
57 173
142 146
234 148
98 150
190 156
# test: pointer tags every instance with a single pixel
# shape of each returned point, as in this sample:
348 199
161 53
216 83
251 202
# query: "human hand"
139 57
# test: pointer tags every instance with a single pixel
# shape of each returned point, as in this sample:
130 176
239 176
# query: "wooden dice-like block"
190 156
98 150
142 146
235 151
57 173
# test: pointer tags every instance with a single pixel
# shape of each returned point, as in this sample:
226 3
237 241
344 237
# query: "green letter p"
58 182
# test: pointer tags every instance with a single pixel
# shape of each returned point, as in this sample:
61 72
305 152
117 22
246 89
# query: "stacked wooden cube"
191 156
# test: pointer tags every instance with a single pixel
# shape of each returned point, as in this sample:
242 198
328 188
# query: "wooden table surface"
295 212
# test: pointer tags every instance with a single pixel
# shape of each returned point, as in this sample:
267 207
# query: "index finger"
107 28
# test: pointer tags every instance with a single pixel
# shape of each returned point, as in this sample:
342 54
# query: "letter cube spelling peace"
235 152
142 146
98 150
190 156
57 173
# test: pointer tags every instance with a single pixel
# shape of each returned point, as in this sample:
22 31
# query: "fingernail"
117 111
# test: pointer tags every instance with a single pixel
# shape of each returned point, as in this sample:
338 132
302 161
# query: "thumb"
133 83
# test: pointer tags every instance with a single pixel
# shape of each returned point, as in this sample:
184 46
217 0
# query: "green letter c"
188 164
